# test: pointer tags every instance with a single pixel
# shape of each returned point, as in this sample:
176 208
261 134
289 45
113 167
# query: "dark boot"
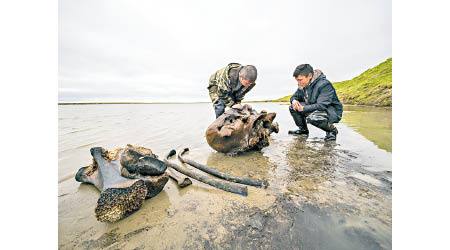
331 135
300 121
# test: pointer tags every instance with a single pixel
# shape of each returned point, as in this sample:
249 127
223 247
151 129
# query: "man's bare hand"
297 106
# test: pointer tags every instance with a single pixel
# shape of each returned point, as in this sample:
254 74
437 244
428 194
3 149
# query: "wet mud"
320 196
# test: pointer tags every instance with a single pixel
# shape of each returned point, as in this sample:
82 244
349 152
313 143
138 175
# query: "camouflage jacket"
220 87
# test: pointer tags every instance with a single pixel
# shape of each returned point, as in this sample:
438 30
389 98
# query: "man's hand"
297 106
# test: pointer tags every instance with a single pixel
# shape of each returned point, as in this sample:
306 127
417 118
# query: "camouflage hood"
220 87
221 77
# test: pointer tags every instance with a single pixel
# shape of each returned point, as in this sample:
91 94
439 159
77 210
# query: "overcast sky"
165 51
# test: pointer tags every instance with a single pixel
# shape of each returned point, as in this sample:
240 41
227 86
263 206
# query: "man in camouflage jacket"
228 85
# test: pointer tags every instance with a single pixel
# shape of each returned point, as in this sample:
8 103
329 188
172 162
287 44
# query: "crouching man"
314 102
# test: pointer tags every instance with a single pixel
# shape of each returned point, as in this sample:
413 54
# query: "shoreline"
97 103
89 103
86 103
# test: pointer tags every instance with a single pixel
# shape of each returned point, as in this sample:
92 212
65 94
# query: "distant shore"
88 103
272 101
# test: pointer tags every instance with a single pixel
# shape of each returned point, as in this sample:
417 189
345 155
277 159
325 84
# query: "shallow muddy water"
321 195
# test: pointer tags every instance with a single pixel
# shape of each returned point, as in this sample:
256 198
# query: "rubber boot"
331 135
300 121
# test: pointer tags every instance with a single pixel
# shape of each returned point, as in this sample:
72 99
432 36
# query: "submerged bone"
240 129
222 175
181 181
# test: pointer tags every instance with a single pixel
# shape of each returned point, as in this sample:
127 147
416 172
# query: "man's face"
246 83
303 81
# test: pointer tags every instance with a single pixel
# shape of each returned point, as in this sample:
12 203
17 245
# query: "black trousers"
316 118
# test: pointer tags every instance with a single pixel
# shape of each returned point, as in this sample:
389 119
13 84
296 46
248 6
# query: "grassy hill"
372 87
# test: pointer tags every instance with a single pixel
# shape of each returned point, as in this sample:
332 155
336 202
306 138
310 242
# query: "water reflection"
311 164
373 123
250 164
352 177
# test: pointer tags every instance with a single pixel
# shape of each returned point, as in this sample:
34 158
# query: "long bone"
226 186
225 176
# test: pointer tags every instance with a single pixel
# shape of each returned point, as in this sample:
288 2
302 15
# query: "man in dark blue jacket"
315 102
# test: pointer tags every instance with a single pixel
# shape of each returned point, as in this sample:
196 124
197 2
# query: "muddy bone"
217 173
142 161
121 192
179 179
220 184
240 129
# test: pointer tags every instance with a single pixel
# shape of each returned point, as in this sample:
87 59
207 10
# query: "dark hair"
304 70
249 73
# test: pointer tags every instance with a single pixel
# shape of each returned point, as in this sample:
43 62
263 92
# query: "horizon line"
85 103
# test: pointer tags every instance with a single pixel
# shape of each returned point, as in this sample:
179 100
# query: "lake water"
321 195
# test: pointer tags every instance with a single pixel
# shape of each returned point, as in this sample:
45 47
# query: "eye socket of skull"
231 118
245 118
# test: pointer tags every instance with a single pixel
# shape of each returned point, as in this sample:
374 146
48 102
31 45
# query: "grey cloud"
158 51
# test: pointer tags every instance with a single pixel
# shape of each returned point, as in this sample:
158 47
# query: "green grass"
283 99
372 87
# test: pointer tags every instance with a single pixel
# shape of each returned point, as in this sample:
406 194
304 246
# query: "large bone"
142 161
154 184
117 185
240 129
119 196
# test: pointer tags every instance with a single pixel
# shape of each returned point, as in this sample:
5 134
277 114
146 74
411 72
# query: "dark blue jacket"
321 96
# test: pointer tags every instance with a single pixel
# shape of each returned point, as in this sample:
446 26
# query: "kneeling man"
314 102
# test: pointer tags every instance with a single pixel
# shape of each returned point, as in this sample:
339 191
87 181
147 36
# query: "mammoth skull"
240 129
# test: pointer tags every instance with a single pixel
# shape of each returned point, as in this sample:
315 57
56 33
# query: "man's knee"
317 117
